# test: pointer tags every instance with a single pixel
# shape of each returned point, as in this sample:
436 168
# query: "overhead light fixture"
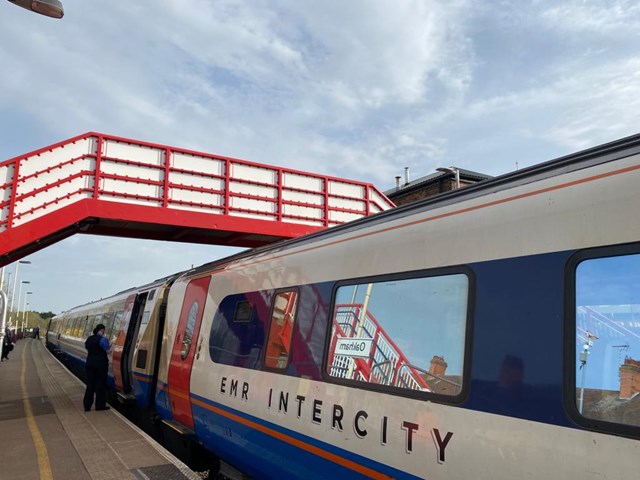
48 8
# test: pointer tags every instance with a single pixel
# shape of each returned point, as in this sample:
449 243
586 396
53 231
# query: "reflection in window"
281 328
117 323
608 339
407 333
188 331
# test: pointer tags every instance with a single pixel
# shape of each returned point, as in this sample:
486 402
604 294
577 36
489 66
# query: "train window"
243 312
117 323
188 331
283 315
107 320
145 317
607 341
402 333
238 329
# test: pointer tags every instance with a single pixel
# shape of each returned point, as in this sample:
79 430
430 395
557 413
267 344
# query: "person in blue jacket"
96 369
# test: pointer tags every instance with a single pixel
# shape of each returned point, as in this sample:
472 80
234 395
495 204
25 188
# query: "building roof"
436 177
608 406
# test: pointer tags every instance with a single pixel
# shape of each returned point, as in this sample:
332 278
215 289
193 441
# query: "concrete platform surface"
46 434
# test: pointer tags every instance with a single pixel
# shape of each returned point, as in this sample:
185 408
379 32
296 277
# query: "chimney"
629 378
406 175
438 366
398 177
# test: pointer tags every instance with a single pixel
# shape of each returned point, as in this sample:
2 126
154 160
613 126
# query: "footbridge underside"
105 185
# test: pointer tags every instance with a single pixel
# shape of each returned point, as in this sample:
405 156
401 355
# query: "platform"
45 433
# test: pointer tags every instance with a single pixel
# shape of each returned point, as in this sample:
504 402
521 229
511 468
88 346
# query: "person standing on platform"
96 369
7 344
36 332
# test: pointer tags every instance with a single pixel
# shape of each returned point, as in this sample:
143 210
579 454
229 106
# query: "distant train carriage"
490 333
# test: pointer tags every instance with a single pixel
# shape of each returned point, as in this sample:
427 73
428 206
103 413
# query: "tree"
46 315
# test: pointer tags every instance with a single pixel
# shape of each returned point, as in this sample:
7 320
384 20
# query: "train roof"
586 158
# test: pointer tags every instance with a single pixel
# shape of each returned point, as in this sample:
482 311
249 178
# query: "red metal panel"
182 356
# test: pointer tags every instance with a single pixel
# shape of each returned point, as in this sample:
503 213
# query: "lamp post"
24 312
48 8
454 170
584 356
15 281
19 295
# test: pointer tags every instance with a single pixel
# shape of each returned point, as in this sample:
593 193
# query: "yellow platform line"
38 441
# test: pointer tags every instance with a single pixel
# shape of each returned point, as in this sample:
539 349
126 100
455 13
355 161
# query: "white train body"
510 253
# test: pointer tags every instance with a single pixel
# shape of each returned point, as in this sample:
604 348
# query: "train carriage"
491 332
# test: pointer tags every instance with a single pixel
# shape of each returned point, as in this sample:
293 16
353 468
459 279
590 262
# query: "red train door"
183 350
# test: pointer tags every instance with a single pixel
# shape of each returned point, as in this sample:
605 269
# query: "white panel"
6 173
131 188
133 171
53 158
381 200
312 198
346 189
44 211
132 201
350 204
298 221
256 174
198 197
53 194
6 176
197 164
193 208
249 189
125 151
57 174
196 181
253 215
342 217
305 182
303 211
255 205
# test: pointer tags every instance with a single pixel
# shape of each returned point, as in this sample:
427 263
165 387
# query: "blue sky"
355 89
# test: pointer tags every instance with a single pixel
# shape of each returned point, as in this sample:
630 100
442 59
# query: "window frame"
570 358
268 329
399 391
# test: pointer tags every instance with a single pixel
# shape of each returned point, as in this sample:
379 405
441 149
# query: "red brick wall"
629 378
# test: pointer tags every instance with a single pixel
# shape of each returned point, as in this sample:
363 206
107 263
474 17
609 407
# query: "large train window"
401 333
607 340
283 314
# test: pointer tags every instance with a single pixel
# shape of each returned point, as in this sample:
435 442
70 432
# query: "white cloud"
356 89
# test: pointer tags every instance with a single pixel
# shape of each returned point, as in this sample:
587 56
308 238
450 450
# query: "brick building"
444 180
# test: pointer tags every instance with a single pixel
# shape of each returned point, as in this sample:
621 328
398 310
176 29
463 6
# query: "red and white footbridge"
105 185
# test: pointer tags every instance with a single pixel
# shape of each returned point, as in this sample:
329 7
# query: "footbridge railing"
101 184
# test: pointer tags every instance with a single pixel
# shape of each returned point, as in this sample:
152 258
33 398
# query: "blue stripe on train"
256 452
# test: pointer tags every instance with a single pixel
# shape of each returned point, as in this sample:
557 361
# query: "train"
490 332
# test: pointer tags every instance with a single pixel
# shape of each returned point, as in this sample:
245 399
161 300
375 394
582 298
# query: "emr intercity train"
489 333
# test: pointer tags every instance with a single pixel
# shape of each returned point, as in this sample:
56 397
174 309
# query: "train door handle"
199 348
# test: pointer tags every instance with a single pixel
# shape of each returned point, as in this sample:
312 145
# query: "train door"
183 350
134 307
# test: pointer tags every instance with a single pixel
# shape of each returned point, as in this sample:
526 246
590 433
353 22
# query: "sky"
357 89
